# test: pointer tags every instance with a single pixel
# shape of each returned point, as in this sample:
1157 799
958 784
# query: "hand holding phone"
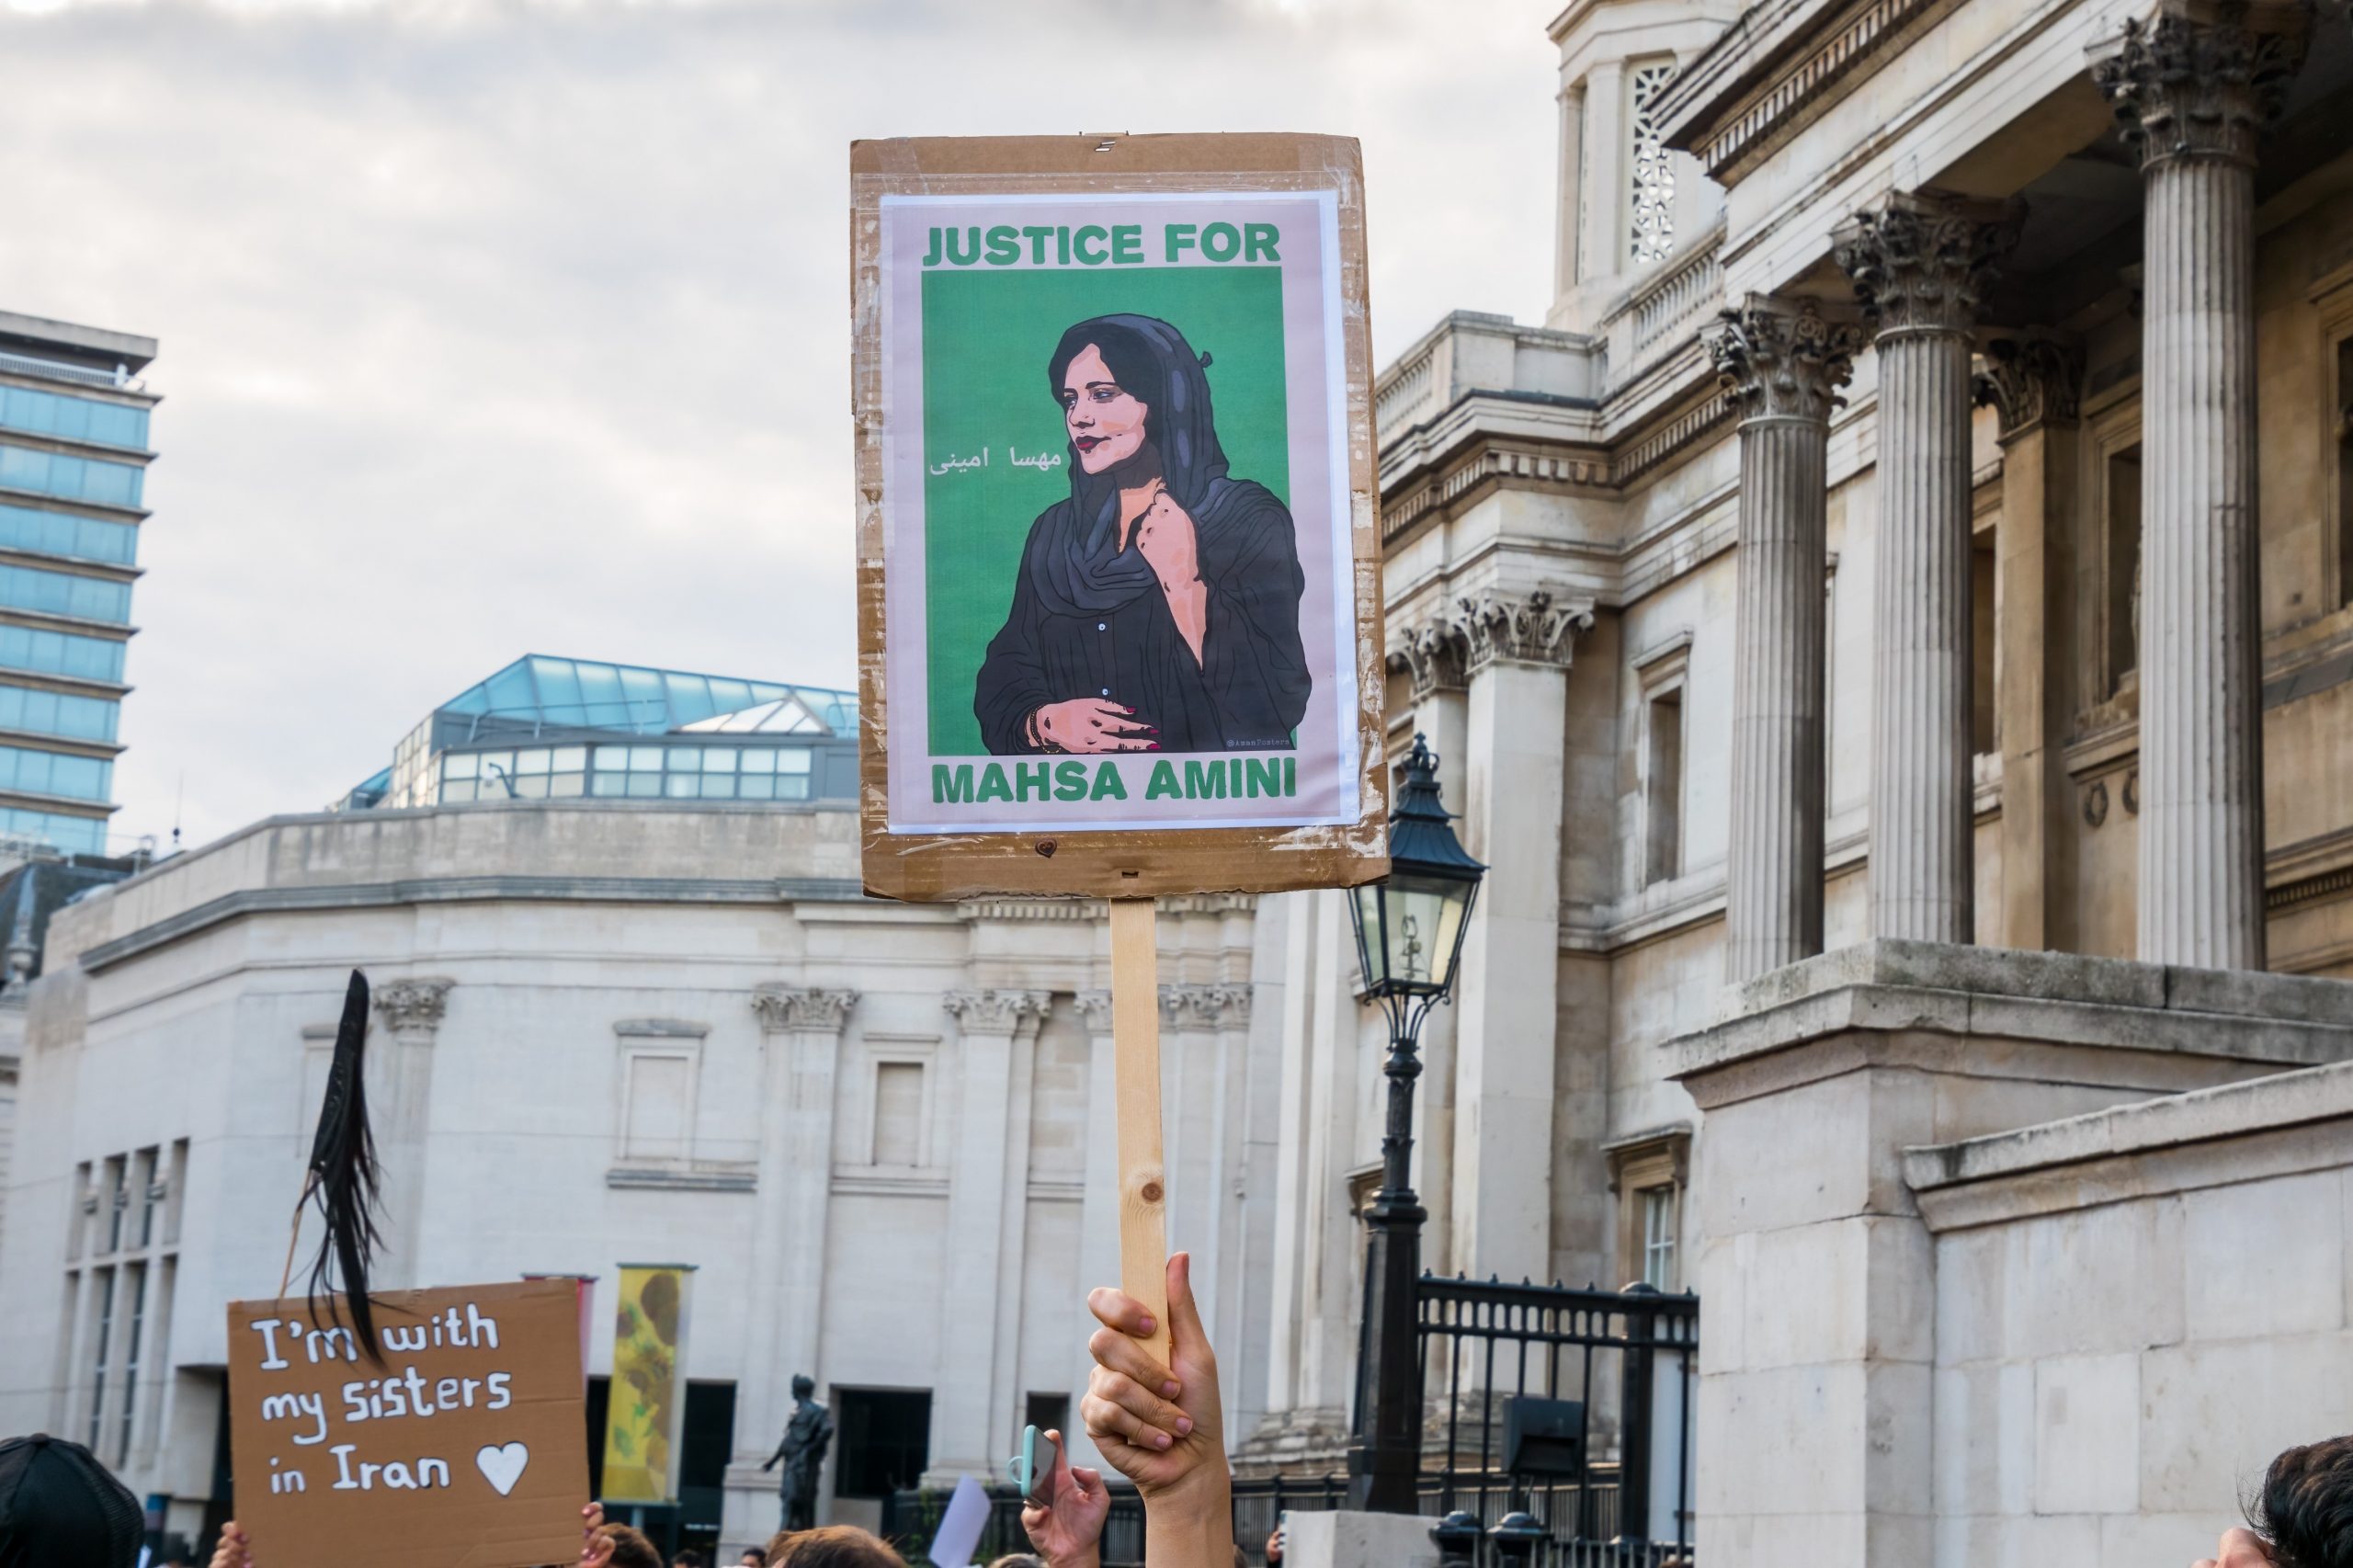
1064 1506
1034 1467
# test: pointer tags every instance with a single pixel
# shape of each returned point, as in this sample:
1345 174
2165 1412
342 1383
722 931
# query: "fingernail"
1170 1389
1148 1325
1184 1424
1161 1439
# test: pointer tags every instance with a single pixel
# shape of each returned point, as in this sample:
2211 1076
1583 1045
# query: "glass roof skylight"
543 692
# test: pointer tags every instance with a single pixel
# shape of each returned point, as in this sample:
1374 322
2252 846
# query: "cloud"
491 328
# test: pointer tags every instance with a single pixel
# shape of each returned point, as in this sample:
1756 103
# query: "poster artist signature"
1041 460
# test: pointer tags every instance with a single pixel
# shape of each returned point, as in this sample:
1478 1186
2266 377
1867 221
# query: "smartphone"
1034 1467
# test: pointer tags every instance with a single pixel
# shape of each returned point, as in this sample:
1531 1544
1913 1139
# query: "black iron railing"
1601 1385
1610 1489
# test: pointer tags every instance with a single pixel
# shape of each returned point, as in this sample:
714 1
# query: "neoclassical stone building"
1891 631
614 1031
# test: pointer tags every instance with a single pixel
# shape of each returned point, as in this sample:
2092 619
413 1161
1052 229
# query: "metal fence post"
1634 1418
1517 1537
1457 1538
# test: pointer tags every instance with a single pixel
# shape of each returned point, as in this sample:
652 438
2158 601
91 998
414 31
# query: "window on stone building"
1662 1218
1662 786
898 1113
133 1330
885 1440
318 1057
658 1103
1661 672
1647 1172
148 1193
2120 561
101 1345
1047 1411
114 1198
1984 710
77 1229
1650 222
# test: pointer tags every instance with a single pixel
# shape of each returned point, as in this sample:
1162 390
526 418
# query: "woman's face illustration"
1105 424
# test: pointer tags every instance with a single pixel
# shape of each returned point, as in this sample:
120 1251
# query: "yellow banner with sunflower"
649 1388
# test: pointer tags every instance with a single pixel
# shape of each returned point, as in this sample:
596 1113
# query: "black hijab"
1075 561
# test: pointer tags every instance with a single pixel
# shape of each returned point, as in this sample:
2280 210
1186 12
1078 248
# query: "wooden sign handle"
1135 1054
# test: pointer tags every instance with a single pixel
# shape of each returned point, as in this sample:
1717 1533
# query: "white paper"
960 1526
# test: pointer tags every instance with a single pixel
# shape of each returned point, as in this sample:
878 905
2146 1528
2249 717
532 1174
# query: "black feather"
344 1177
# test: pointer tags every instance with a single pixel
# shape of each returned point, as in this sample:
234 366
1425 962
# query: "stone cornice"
1783 360
1481 459
997 1012
1773 69
413 1006
1921 262
440 889
815 1007
2195 89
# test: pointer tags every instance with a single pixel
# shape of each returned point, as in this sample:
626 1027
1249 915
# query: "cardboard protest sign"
1119 579
467 1448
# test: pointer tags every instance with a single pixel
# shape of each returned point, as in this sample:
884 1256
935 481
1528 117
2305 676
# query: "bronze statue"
806 1437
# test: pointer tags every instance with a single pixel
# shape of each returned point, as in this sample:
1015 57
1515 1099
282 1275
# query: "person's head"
688 1558
830 1546
631 1549
1020 1560
1103 406
58 1503
804 1385
753 1558
2304 1511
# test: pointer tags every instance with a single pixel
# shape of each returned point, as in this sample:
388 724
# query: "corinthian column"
1783 363
412 1010
1509 782
800 1035
971 1418
1920 264
2192 98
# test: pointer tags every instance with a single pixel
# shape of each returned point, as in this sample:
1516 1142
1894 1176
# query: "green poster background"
986 338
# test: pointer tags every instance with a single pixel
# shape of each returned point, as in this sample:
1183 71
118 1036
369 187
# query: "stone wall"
2134 1310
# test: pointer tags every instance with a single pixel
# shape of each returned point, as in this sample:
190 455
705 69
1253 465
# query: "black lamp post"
1409 939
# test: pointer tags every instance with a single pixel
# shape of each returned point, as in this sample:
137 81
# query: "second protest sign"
466 1446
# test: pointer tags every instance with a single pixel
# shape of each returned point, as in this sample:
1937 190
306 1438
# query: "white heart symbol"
501 1467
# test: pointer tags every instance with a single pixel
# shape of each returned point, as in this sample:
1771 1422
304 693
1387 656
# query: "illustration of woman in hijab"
1157 608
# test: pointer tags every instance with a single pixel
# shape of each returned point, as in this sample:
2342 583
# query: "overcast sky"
498 328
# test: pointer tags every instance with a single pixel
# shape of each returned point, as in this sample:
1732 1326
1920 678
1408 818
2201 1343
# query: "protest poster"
465 1447
1119 582
647 1412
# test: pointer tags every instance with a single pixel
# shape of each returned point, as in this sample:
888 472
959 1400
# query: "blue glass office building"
73 457
554 729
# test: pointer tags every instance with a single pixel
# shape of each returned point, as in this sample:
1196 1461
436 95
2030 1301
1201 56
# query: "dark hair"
2305 1512
688 1557
1131 361
830 1546
631 1549
757 1555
